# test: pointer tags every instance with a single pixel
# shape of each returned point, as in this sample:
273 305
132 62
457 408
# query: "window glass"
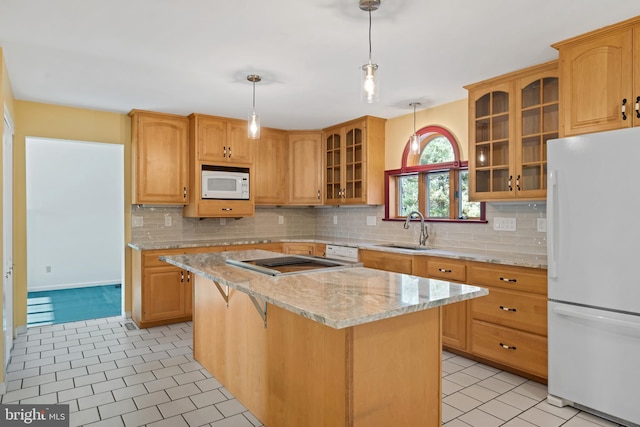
438 189
467 209
408 194
437 150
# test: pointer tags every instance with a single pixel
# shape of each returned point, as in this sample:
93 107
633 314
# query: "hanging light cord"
369 34
254 95
414 118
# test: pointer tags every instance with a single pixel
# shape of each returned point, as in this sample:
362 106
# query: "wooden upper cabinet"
511 118
599 79
270 167
160 147
354 162
220 140
305 168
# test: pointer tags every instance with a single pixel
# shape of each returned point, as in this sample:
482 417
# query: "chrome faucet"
424 235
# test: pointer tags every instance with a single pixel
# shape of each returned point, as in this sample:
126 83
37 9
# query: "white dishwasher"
342 253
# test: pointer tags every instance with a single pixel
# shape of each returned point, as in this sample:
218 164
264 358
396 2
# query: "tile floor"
112 376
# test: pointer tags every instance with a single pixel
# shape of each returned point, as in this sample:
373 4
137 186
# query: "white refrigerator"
593 248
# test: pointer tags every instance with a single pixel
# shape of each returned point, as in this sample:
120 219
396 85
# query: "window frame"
426 135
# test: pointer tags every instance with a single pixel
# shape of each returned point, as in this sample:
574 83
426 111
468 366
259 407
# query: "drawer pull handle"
506 279
182 277
227 209
508 347
502 307
444 270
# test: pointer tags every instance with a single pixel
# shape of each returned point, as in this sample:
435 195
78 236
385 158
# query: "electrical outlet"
504 224
542 225
223 221
137 221
47 269
335 220
371 220
280 219
168 221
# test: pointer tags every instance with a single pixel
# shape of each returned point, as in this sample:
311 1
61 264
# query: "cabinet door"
354 165
163 293
536 123
298 248
240 148
160 148
270 169
305 168
491 142
211 139
454 316
333 166
597 78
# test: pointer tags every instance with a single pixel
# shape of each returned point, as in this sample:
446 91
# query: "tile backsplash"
167 224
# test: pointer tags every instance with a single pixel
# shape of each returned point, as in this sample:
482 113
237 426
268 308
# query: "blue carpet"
72 305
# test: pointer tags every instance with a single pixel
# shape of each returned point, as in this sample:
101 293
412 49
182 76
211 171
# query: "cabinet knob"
229 152
638 107
518 182
224 152
509 183
318 194
624 109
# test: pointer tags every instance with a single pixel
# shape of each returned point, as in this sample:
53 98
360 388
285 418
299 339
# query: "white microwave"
224 182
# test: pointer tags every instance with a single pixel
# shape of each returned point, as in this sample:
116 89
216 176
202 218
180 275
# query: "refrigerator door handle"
617 323
552 219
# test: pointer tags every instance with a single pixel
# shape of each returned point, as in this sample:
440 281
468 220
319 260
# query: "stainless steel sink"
406 246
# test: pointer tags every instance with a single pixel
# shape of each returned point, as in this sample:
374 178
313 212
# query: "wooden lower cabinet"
297 372
304 248
454 316
397 263
507 328
163 293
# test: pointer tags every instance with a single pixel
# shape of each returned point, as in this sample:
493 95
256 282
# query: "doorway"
7 239
75 228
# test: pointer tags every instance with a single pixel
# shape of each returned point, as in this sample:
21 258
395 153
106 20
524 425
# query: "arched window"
433 181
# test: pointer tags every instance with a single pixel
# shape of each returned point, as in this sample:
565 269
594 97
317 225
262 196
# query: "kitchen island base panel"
299 372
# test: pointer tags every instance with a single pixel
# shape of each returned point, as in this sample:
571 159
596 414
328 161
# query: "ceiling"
194 55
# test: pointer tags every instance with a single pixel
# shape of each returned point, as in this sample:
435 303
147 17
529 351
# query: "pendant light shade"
253 125
414 141
370 85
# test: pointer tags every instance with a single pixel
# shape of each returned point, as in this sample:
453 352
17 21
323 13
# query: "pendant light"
370 86
414 141
253 128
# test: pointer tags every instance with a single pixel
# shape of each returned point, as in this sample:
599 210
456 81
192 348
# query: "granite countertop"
338 298
515 259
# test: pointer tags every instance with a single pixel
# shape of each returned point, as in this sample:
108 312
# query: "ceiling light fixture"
414 140
370 86
253 129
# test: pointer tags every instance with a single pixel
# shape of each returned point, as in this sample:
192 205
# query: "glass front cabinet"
354 162
511 118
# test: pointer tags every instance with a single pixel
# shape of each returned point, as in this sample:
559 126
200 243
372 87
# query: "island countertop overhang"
339 298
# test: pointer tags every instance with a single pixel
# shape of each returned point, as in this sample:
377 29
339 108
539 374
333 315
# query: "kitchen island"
349 347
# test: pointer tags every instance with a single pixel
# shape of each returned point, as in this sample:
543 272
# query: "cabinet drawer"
520 350
151 257
446 269
527 312
509 277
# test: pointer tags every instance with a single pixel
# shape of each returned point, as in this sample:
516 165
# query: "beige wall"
452 116
7 100
52 121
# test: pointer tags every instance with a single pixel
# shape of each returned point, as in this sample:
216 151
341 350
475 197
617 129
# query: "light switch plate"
542 225
280 219
168 222
335 220
504 224
371 220
137 221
